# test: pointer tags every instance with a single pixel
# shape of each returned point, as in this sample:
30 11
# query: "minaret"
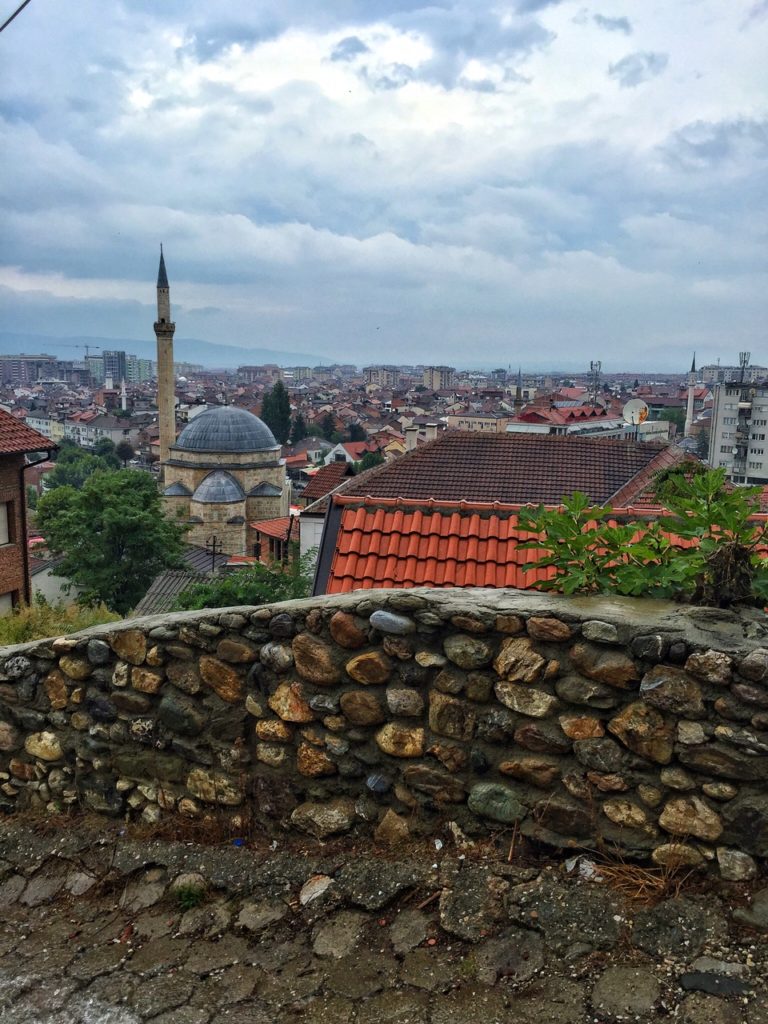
691 389
166 398
123 396
518 406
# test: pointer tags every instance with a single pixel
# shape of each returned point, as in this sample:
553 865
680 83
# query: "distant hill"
185 350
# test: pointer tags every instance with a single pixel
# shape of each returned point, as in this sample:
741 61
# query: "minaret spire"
691 397
166 398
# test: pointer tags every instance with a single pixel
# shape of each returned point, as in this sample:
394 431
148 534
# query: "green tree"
258 584
74 466
31 497
707 550
327 426
276 412
125 452
113 536
355 432
369 460
299 429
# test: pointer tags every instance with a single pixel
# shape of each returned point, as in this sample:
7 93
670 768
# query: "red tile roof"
17 438
277 528
325 480
517 468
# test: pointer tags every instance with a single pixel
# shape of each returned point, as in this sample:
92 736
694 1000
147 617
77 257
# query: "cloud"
639 67
349 48
613 24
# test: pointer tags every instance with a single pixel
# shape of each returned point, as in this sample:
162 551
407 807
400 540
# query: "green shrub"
41 620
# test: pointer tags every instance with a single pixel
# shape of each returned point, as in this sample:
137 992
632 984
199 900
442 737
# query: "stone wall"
574 722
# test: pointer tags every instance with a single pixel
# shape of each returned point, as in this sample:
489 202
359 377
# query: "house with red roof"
445 514
17 442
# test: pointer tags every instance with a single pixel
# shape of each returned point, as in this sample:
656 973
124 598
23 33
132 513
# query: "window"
755 465
6 522
724 449
757 451
729 421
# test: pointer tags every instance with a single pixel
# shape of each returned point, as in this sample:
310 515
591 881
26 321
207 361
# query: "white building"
739 440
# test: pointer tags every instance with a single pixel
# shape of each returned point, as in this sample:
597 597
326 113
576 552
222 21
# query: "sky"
530 182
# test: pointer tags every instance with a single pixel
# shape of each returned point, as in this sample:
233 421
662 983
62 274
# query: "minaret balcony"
164 325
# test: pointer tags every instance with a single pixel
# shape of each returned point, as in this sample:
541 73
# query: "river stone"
625 813
450 717
677 778
236 651
746 823
604 666
677 855
600 632
469 623
517 661
75 668
222 679
45 746
314 660
130 645
495 801
547 628
289 703
691 816
347 631
672 689
56 689
735 866
273 730
755 665
276 656
313 762
724 762
711 666
405 703
533 770
99 653
468 652
370 668
430 659
573 689
181 715
650 647
526 701
749 694
213 787
362 707
400 740
450 680
559 817
509 624
184 676
9 737
146 680
581 727
720 790
444 788
389 622
644 731
542 738
325 819
18 666
273 754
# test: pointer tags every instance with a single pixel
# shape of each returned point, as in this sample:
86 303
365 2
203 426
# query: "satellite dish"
635 412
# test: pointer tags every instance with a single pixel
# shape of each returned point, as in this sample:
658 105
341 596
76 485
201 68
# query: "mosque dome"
226 429
219 488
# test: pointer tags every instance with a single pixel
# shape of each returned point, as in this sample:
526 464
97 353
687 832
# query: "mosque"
224 474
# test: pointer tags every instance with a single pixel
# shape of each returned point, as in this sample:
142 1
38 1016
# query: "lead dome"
226 429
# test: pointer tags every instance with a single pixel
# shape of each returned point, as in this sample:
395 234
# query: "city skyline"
454 183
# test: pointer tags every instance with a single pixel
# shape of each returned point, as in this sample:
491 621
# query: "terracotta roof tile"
16 437
325 480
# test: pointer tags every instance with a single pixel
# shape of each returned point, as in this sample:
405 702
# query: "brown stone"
346 631
454 758
677 855
542 738
155 656
479 687
314 660
608 782
450 680
469 623
146 680
45 746
272 731
184 675
690 816
450 717
542 627
672 689
518 662
130 645
468 652
213 787
756 695
400 740
22 769
400 647
371 668
525 700
755 665
289 703
75 668
325 819
236 651
711 666
122 674
362 707
314 762
625 814
577 785
604 666
272 754
533 770
392 829
440 785
724 762
581 727
509 624
644 731
222 679
9 737
335 723
56 690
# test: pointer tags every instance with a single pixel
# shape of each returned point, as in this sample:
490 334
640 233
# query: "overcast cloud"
532 181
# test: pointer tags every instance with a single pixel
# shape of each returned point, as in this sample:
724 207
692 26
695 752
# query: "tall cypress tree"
276 412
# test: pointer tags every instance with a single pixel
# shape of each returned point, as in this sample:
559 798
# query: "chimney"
411 433
431 430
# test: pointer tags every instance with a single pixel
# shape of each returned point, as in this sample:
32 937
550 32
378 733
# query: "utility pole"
215 547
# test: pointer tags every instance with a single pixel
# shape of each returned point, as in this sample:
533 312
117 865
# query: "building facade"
739 438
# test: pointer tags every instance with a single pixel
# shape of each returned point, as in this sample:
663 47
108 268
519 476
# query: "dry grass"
645 886
40 621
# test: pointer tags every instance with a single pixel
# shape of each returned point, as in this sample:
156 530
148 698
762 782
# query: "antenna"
744 358
594 368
